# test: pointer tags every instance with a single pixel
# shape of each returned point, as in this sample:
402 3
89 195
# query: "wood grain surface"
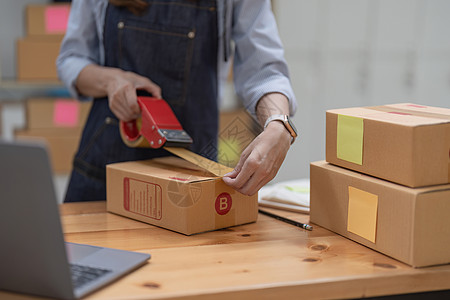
264 260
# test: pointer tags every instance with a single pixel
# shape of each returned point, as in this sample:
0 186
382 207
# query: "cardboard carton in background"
36 58
46 19
404 143
56 112
408 224
62 144
175 194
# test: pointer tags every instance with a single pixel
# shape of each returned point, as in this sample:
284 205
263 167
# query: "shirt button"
191 34
120 25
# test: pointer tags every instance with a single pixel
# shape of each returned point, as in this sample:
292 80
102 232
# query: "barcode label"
143 198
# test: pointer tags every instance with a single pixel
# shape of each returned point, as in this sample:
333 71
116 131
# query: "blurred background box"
56 112
36 58
62 144
44 19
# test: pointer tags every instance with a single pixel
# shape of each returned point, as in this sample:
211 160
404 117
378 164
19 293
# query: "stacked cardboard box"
37 52
59 123
386 180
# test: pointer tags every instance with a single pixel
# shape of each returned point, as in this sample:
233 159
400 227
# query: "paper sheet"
56 17
66 113
350 134
362 213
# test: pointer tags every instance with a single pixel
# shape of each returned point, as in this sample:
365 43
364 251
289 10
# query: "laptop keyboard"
84 274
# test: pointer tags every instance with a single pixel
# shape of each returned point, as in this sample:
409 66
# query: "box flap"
406 114
167 168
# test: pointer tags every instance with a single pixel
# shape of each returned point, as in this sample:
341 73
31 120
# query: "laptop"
34 258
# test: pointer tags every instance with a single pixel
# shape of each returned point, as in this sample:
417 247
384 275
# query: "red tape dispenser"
157 127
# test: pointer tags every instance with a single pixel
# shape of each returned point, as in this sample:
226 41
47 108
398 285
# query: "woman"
177 50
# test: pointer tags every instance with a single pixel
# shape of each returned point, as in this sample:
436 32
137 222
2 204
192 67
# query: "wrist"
286 122
110 78
278 130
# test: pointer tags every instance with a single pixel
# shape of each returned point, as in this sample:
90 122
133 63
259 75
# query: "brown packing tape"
207 164
386 108
140 142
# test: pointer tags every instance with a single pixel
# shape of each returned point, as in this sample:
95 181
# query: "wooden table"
268 259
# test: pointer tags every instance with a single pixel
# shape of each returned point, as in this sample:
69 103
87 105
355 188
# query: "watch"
286 122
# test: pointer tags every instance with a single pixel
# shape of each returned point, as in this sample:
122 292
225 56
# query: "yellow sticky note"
362 213
350 134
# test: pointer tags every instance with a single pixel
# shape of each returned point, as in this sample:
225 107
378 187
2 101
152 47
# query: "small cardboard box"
36 58
56 112
408 224
404 143
43 19
177 195
62 144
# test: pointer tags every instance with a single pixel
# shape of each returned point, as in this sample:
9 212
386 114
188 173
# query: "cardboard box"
408 224
56 112
177 195
62 144
404 143
36 58
42 19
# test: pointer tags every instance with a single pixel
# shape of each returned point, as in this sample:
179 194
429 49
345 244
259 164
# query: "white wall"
12 27
344 53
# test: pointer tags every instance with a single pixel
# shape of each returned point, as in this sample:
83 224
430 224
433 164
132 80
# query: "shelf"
11 90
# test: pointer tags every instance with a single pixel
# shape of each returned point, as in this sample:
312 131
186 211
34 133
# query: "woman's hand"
120 87
261 160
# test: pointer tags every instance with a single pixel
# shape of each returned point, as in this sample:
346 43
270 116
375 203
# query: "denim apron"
174 44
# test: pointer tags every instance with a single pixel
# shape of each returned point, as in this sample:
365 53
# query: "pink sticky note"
56 18
66 112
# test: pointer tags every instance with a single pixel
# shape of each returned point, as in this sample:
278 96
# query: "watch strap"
283 119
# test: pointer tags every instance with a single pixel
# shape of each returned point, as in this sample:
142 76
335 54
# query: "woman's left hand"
260 161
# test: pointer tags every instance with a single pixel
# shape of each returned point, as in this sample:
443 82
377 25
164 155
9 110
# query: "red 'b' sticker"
223 203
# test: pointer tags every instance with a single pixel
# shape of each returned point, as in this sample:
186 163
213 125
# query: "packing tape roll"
132 137
130 132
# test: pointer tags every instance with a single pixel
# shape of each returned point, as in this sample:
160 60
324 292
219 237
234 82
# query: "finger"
231 174
259 179
245 174
121 108
150 87
119 113
131 103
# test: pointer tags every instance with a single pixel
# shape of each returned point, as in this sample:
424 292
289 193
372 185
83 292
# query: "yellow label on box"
350 136
362 213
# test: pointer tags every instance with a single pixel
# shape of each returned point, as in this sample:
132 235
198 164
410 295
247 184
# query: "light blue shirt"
259 66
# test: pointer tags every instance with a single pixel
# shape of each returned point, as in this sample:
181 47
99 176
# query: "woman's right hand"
120 87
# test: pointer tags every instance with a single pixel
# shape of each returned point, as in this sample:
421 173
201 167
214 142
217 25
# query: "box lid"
170 167
406 114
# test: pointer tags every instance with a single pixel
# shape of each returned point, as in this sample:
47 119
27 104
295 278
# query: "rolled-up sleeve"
81 45
259 64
